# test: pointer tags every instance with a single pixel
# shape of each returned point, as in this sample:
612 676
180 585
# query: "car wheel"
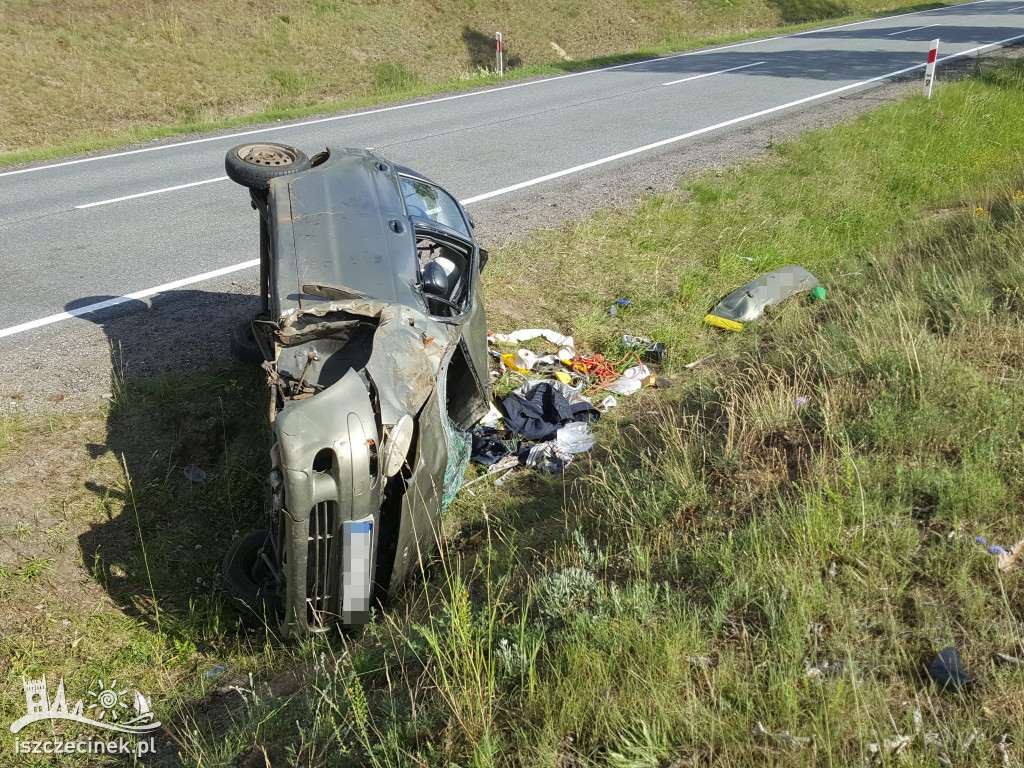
254 165
243 344
247 578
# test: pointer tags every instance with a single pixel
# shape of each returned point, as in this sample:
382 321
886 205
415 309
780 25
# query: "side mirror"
435 279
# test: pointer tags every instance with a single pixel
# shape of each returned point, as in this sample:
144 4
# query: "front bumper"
326 451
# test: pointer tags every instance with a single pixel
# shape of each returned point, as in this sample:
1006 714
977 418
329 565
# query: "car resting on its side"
373 338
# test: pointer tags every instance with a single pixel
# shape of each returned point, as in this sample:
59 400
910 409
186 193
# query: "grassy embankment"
725 557
79 78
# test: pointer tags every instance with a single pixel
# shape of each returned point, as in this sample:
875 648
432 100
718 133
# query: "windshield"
429 202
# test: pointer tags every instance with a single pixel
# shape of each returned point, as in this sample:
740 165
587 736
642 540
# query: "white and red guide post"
499 52
929 70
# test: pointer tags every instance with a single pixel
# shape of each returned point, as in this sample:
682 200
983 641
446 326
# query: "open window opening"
445 273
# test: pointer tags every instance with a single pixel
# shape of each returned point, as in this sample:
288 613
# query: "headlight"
397 446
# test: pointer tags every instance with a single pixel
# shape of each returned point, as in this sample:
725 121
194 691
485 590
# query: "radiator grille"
321 582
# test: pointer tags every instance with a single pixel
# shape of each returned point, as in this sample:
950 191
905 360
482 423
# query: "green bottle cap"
818 294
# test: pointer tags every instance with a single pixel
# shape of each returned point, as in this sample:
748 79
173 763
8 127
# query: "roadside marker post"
499 48
929 70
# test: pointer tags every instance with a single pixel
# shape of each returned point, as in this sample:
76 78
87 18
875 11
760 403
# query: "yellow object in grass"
721 322
563 377
509 359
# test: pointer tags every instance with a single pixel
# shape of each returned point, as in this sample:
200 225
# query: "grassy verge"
783 537
76 82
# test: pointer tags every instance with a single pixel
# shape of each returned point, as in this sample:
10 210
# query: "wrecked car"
372 335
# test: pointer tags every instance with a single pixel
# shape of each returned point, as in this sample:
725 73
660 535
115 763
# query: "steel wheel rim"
267 155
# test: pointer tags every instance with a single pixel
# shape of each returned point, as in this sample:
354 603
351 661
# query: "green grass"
725 557
114 74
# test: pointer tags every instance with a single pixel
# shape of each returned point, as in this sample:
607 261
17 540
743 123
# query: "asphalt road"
83 234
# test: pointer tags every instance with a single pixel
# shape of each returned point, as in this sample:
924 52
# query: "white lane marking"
912 29
286 126
504 190
725 124
709 74
138 295
151 192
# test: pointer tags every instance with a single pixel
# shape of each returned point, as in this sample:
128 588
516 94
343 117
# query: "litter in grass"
614 309
566 345
1008 559
782 738
631 380
826 669
650 351
947 670
194 474
215 671
545 421
1010 659
748 302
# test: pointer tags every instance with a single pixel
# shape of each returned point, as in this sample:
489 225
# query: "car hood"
341 224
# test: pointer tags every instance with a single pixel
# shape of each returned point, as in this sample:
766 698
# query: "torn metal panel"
407 353
749 302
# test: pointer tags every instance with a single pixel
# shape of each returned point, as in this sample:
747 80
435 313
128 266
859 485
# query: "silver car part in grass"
748 302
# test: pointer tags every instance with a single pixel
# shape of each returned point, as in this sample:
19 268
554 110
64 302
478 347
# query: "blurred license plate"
357 553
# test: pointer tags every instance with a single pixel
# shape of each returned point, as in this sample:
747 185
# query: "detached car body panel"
374 338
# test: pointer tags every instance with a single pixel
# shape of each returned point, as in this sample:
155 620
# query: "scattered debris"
566 345
826 669
1002 747
650 351
215 671
614 309
1008 559
889 747
631 380
783 737
947 670
537 409
492 417
194 474
1010 659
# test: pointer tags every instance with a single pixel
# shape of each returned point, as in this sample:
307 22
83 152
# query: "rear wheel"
254 165
248 579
